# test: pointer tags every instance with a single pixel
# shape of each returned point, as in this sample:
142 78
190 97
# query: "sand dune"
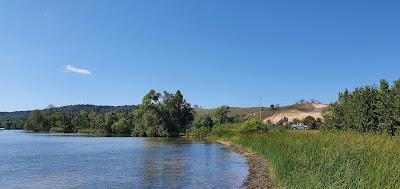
313 110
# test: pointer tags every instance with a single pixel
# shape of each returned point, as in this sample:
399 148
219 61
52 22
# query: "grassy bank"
325 159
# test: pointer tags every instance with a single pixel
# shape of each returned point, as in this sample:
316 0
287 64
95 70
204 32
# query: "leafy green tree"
9 125
179 111
309 120
110 118
312 122
150 99
168 117
148 116
221 114
122 126
80 121
396 103
203 121
61 122
366 109
37 122
385 108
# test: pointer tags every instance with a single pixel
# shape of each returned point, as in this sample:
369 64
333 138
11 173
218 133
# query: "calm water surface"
30 160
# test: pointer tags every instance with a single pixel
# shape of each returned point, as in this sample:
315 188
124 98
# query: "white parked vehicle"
300 126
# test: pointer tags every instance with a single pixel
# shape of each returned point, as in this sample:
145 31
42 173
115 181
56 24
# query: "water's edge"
259 172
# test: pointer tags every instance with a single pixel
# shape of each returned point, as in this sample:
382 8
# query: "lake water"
30 160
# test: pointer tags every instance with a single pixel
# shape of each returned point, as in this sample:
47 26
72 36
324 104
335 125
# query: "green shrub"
198 132
251 126
57 130
92 131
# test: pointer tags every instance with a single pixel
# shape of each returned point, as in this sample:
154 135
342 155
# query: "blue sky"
215 52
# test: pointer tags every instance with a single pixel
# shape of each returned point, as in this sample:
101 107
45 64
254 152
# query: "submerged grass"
325 159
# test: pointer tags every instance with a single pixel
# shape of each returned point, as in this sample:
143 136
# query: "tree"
37 122
221 114
61 122
80 121
168 117
180 112
309 120
385 108
312 122
50 106
203 121
150 98
110 118
122 126
366 109
301 101
396 103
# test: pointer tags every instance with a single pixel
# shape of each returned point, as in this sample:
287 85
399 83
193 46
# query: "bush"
198 132
92 131
251 126
57 130
203 121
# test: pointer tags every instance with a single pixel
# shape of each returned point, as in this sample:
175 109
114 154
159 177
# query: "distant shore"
259 174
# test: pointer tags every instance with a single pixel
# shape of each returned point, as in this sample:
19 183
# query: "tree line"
366 109
12 123
159 114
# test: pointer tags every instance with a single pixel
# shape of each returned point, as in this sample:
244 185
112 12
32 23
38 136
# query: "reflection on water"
58 161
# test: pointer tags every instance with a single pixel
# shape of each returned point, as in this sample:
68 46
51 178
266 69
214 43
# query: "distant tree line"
311 101
12 123
158 115
17 120
165 114
13 120
55 120
366 109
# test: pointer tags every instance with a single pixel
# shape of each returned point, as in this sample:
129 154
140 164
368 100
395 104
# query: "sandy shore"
259 175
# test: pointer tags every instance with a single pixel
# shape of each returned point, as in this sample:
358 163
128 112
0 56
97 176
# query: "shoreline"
259 172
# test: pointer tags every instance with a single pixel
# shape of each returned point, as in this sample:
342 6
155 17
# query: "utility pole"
260 110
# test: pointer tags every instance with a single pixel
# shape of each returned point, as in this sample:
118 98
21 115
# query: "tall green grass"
326 159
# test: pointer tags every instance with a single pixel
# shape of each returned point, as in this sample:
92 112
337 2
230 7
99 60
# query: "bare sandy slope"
297 113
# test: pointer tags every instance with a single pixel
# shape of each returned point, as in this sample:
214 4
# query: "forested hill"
15 115
70 108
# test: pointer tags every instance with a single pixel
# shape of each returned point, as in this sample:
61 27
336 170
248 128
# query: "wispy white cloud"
76 70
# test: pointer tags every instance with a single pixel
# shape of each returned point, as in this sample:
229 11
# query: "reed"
325 159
